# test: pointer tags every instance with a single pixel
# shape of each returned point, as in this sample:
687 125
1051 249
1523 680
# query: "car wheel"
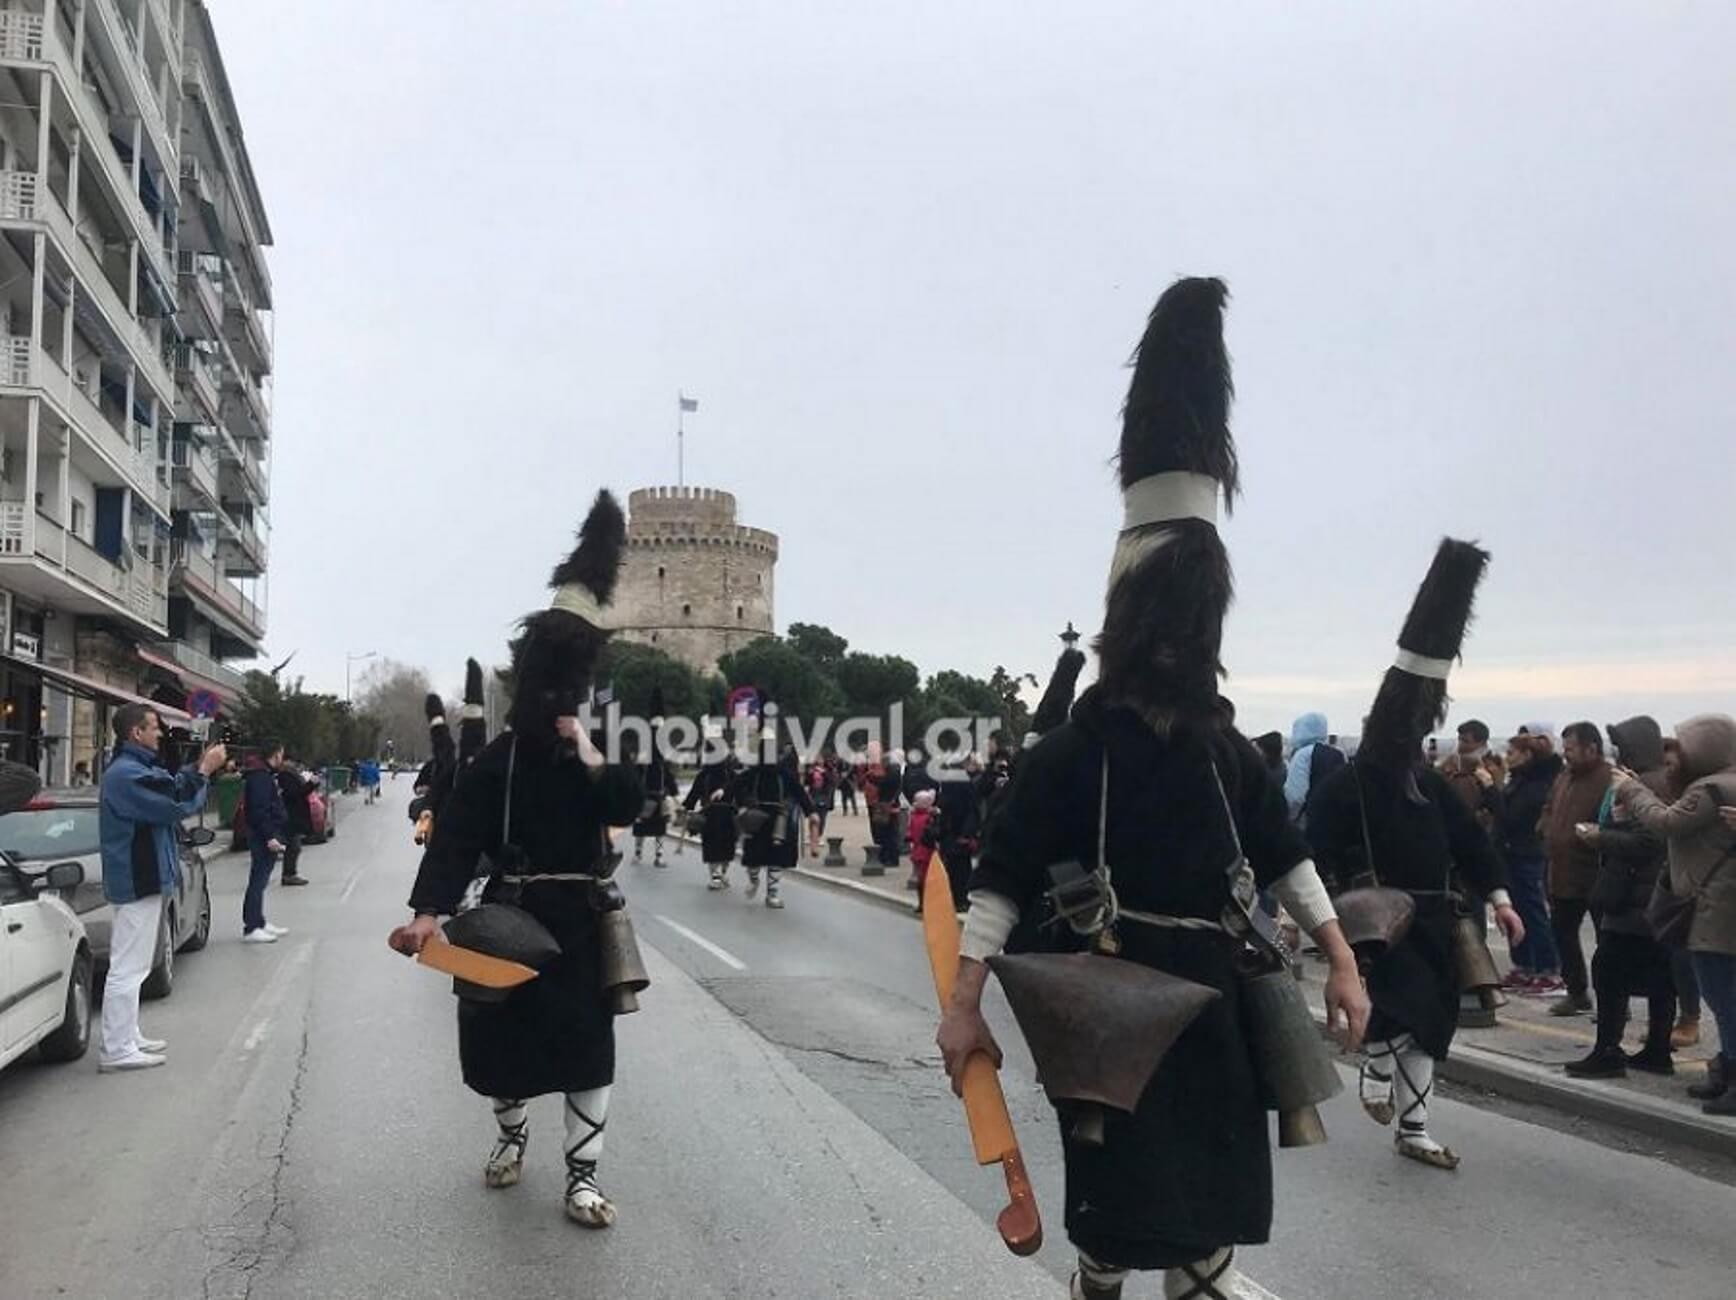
72 1039
202 927
161 981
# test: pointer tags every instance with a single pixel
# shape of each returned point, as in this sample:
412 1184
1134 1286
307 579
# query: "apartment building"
135 363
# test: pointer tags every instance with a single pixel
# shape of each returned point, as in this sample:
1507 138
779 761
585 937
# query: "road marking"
1254 1291
351 887
723 955
258 1035
270 1000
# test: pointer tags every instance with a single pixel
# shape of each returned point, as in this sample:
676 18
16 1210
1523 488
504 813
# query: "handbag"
1671 915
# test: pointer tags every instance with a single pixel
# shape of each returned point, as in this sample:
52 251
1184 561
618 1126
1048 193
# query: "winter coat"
1575 797
1312 760
293 789
1486 802
1528 784
1702 863
138 823
267 818
921 851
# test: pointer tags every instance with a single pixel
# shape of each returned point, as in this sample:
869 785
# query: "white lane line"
1254 1291
351 887
257 1036
722 954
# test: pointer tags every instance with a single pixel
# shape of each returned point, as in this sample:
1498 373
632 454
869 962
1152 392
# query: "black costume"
717 838
774 792
1389 818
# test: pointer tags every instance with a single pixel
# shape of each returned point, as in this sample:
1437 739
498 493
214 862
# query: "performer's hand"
1511 925
410 939
963 1032
1347 1006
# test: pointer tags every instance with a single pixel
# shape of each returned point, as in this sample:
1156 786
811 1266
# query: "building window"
686 611
78 519
653 638
660 570
738 613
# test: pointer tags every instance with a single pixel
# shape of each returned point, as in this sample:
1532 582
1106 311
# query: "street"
781 1127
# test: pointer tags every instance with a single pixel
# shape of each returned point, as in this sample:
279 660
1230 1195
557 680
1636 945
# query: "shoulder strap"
1362 816
506 810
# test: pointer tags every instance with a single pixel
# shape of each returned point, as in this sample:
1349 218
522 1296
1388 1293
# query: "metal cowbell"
1471 956
1374 919
1098 1027
624 974
1294 1069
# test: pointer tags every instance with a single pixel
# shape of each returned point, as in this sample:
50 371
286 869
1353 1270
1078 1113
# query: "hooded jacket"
1528 786
1312 760
1702 849
1631 856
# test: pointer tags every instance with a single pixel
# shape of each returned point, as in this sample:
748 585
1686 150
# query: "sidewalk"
1520 1058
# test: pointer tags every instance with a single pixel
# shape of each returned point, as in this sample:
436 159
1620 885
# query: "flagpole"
680 439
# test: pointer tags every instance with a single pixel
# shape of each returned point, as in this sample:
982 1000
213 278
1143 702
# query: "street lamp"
351 658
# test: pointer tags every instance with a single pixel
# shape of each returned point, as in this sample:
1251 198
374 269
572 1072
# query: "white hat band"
578 600
1421 665
1164 498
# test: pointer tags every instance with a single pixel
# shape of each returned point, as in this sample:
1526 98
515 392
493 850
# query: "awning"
91 689
187 677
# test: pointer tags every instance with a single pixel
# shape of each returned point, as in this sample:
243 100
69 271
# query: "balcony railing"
196 466
202 575
196 661
21 35
14 518
18 196
194 366
16 357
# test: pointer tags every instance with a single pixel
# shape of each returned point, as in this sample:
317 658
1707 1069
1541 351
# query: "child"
921 843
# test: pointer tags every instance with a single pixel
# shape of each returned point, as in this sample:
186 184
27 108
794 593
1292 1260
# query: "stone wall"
695 583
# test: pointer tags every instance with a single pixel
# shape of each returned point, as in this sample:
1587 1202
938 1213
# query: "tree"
874 683
819 645
1007 687
392 694
636 670
317 729
774 668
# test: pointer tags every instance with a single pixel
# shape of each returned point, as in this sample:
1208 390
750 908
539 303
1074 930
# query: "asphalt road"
780 1128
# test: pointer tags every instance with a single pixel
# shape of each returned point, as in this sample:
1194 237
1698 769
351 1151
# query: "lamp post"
351 658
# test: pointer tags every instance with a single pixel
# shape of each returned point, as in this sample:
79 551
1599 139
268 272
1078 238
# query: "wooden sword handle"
1021 1227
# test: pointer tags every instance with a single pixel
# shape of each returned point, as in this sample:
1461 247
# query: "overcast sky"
1482 258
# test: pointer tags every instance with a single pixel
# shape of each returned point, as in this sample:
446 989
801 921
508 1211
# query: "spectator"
139 818
921 850
294 789
80 774
1629 961
267 827
959 807
823 790
1575 798
1271 747
1532 768
1471 772
847 791
1701 849
1687 1032
881 784
1312 760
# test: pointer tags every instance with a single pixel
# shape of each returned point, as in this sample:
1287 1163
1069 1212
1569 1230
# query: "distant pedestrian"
921 847
823 790
1575 799
80 774
267 830
1271 747
139 818
1532 767
1681 964
1312 760
711 796
1702 847
296 791
847 792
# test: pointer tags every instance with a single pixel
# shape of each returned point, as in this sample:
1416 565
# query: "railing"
13 522
16 357
18 196
21 35
50 537
206 273
132 59
202 574
197 466
196 366
197 661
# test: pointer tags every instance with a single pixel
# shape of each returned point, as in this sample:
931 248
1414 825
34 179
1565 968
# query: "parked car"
63 826
45 964
321 811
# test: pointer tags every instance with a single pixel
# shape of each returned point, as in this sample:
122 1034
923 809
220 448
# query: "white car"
45 965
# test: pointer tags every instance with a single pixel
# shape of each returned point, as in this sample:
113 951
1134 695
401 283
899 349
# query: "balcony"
247 331
244 549
196 468
102 587
200 664
241 467
202 578
193 369
252 402
201 276
130 55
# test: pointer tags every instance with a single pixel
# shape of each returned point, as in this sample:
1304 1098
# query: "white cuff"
1304 897
1500 898
990 920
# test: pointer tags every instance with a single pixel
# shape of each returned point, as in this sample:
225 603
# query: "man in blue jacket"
267 832
139 819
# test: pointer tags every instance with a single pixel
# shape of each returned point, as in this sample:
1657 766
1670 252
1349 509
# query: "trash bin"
337 779
227 798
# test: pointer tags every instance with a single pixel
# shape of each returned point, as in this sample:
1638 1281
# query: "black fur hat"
1057 701
439 732
553 657
1170 584
472 725
1412 700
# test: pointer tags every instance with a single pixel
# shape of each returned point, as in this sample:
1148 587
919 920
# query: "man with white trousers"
140 815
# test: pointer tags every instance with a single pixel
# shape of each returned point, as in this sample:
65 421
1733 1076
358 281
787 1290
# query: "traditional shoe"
774 898
753 884
1425 1151
1083 1289
1377 1102
716 882
1648 1061
1685 1034
585 1202
1599 1064
506 1164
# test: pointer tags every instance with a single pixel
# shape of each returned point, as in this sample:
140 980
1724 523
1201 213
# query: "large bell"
623 968
500 930
1290 1058
1374 919
1474 962
1098 1027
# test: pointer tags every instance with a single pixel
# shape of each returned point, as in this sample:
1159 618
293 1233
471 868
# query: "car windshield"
38 834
